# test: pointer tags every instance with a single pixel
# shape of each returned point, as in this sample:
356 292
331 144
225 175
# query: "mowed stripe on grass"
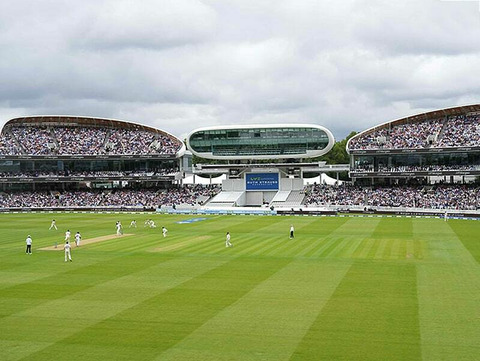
448 293
163 320
342 285
268 322
373 315
59 318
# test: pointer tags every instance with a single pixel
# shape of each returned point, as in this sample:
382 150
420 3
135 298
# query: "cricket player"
67 235
28 241
164 231
150 223
291 231
133 224
53 225
119 228
78 238
227 240
67 248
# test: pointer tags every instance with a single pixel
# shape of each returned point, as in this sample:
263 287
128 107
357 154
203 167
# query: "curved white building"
273 141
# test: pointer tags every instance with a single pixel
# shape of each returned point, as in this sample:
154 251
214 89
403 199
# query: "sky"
179 65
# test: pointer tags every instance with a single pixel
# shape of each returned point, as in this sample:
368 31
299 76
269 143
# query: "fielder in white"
164 231
227 240
119 228
67 235
150 223
133 224
67 248
78 238
53 225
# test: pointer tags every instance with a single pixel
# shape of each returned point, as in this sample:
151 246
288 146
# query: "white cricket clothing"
67 252
67 236
78 238
164 231
227 241
28 241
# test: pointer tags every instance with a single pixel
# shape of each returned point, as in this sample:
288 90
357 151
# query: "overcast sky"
183 64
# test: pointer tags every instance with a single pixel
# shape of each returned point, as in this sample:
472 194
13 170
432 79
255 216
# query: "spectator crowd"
102 174
461 197
8 146
461 130
455 131
416 168
458 197
186 195
63 140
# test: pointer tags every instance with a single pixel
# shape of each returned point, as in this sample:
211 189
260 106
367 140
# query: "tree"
338 154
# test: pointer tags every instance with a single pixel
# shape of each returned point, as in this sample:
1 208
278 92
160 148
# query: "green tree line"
338 154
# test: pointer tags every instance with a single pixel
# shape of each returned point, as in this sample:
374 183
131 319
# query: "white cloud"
183 64
418 27
147 23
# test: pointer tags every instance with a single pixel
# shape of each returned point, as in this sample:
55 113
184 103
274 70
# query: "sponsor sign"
191 220
413 174
261 181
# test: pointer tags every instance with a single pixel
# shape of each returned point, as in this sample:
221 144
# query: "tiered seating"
128 141
79 140
280 197
457 131
225 199
436 197
103 174
461 131
401 136
295 199
84 140
288 199
8 146
35 140
118 198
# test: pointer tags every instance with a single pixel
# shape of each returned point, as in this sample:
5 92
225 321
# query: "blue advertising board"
261 181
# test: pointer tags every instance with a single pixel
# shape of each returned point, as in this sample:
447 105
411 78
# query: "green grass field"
346 288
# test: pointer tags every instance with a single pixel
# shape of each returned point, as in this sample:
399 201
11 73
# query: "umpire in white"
28 241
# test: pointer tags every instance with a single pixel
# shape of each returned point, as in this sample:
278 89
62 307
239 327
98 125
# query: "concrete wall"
291 184
233 185
254 198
